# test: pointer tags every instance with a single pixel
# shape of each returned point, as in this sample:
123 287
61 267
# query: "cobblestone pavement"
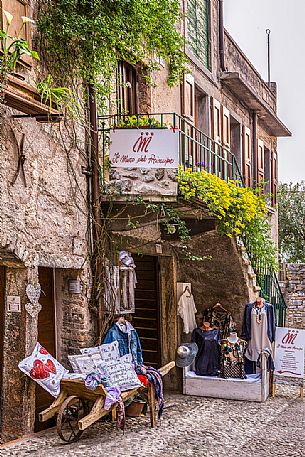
191 426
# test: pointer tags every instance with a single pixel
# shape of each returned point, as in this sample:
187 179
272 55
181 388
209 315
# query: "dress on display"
207 358
232 359
259 332
219 317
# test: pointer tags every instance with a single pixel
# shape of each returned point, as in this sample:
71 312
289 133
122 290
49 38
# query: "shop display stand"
253 388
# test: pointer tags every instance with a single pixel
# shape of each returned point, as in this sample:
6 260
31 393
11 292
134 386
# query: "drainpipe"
254 147
96 206
221 37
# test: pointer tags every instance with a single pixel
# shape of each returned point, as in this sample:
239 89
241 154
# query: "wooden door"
146 319
2 308
46 337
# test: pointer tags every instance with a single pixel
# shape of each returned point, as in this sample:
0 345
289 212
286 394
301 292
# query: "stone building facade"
293 286
45 235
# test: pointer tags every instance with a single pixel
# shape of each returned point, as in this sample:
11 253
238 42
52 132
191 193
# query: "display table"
254 388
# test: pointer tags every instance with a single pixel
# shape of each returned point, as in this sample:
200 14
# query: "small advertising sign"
13 303
144 148
289 352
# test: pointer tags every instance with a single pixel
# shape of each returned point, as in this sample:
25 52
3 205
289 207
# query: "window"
17 8
274 178
198 29
189 97
247 156
260 162
126 89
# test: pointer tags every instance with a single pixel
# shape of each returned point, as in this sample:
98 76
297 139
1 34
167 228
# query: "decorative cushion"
108 351
44 369
120 373
85 363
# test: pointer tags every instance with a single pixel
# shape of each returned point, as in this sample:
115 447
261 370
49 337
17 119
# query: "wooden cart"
72 406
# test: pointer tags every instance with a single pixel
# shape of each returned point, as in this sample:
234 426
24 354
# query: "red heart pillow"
49 365
39 371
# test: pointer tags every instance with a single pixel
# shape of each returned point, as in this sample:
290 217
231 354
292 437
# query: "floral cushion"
121 373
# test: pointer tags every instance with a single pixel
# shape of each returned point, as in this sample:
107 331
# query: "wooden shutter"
260 161
216 120
17 8
274 178
226 137
247 162
126 89
198 19
189 97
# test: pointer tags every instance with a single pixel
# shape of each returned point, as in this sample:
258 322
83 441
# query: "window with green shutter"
198 12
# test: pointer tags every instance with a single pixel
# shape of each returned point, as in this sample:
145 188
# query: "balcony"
145 150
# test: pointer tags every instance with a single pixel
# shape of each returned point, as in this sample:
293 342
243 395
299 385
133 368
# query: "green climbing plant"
90 38
240 211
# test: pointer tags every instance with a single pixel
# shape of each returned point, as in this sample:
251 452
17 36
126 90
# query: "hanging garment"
259 339
232 359
128 339
112 289
187 311
155 378
208 356
220 318
246 333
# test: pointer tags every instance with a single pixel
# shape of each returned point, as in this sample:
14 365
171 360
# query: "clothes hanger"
218 305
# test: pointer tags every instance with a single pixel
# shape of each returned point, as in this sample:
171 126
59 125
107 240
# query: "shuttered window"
274 178
17 8
260 162
189 97
198 29
126 89
247 169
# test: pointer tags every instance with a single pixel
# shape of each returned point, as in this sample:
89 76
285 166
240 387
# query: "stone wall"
294 292
143 181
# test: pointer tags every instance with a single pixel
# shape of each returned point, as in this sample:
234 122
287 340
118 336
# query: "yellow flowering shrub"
240 210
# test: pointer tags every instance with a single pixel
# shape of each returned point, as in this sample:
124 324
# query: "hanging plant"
240 210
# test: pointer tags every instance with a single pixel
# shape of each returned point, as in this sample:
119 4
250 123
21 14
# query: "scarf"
155 378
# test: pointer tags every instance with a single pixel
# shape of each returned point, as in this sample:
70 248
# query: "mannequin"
127 337
207 359
232 356
258 330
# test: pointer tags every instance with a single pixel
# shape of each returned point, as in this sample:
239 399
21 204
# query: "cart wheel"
72 410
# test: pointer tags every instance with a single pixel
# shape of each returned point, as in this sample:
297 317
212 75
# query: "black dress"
208 357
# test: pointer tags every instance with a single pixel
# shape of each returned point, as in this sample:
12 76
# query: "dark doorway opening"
47 338
146 319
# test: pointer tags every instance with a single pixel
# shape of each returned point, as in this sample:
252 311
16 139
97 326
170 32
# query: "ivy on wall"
86 38
240 210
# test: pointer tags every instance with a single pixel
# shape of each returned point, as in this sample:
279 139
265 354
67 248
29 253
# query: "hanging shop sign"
144 148
289 352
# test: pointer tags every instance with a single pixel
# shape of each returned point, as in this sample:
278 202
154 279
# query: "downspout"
221 39
254 147
97 269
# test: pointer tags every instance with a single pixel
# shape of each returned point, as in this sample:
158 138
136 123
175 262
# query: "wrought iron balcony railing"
196 150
